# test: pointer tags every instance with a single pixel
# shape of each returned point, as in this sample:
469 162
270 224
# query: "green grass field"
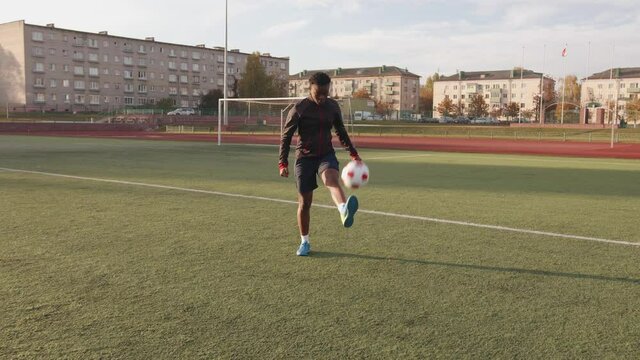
94 269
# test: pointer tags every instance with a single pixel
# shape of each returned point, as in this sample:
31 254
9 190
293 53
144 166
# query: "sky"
424 36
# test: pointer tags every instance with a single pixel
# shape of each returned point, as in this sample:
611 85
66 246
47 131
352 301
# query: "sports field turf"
131 269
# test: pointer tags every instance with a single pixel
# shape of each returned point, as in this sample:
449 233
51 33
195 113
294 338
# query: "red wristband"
282 166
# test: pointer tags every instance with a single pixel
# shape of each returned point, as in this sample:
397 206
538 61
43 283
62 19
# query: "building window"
195 67
195 55
172 65
184 91
142 88
128 100
38 67
94 85
38 51
94 71
173 78
183 79
65 83
184 66
128 87
127 60
78 84
142 75
52 67
37 36
92 43
142 62
79 99
142 49
53 83
40 97
93 57
128 74
94 99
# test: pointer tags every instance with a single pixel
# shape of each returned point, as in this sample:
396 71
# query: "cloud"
284 28
448 46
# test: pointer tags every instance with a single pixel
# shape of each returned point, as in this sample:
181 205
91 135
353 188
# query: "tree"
495 113
426 94
527 114
383 107
458 110
255 82
9 76
166 104
445 108
511 109
361 94
633 111
210 99
571 94
478 107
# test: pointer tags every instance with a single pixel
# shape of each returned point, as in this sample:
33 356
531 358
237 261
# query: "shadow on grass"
322 254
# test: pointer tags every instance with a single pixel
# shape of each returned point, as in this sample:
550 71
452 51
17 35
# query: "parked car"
182 111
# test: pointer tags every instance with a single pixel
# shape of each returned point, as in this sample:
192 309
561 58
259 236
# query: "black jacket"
314 123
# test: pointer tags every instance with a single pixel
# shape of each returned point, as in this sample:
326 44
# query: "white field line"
372 212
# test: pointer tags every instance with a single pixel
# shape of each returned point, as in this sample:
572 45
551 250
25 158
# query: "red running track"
491 146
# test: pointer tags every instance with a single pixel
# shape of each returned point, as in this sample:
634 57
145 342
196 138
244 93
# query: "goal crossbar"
223 118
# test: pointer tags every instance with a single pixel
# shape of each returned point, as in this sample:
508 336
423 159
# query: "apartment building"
603 91
69 70
390 84
499 88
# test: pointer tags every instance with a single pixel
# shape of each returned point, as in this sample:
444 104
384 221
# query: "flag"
564 52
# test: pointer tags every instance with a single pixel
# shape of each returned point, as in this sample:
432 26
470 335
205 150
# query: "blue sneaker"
304 249
352 207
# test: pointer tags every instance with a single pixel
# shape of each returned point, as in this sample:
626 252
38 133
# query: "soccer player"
314 117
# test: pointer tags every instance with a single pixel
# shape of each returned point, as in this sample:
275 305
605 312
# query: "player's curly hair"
320 79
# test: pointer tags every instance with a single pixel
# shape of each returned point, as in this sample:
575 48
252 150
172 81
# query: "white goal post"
275 105
223 104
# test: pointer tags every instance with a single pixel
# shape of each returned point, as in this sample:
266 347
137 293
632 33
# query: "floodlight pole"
613 121
226 38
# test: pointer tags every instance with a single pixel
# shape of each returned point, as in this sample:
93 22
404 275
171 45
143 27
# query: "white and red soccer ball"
355 174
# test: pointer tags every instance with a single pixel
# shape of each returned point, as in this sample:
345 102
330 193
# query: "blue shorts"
308 168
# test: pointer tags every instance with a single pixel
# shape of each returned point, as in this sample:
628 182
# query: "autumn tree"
426 93
361 94
458 110
633 111
384 107
445 107
571 94
495 113
478 107
511 110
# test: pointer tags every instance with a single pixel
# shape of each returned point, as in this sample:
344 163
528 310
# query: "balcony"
388 83
635 90
38 86
389 92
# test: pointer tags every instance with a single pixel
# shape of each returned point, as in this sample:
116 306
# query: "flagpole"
564 86
540 103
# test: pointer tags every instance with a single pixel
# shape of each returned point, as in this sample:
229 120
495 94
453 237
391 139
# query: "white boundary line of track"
372 212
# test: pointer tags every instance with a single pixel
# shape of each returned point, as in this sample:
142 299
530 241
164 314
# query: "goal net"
261 116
